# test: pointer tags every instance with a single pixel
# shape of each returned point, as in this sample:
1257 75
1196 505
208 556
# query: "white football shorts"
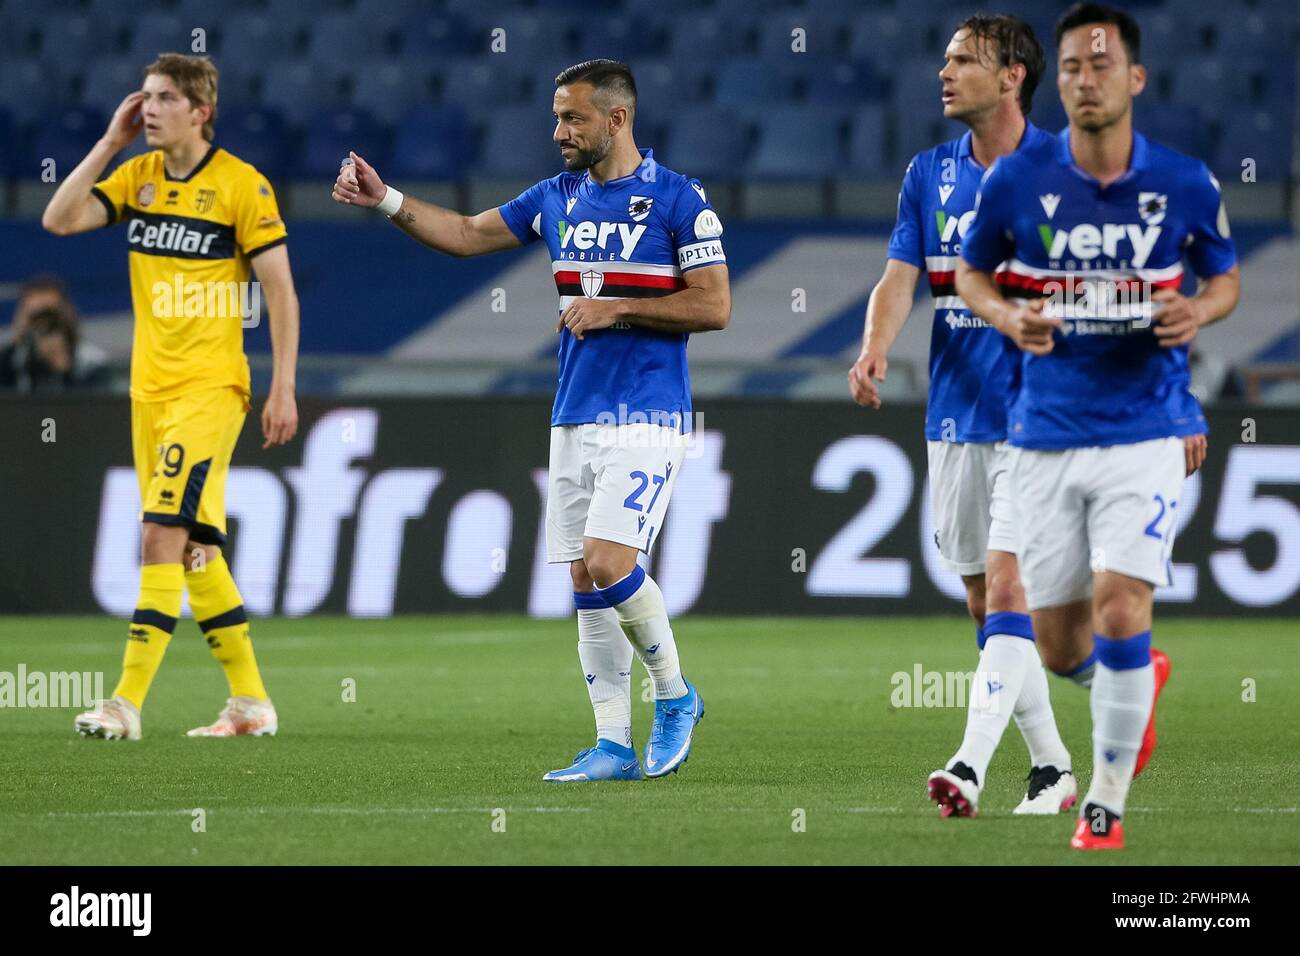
970 497
611 482
1083 510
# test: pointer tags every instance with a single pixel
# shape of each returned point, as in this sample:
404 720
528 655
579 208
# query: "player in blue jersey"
1093 227
638 263
992 67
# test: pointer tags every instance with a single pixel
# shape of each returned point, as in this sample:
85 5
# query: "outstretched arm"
442 229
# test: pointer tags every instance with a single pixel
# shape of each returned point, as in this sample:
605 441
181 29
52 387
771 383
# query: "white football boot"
112 719
1050 791
242 717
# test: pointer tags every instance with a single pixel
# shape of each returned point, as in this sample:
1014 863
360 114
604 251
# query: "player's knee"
1121 608
581 578
608 568
1005 594
1061 660
162 544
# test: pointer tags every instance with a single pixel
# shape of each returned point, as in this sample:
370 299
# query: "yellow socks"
219 611
151 628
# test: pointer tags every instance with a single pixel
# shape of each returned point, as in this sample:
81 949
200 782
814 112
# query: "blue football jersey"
1097 254
631 237
972 365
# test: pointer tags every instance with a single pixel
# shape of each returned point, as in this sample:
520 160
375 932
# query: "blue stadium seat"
389 88
432 142
1176 126
329 136
887 38
257 136
29 88
253 41
396 11
844 84
297 88
9 162
868 155
107 80
517 143
1259 34
749 83
919 132
341 37
152 34
709 143
776 38
918 91
663 88
702 39
1259 135
798 142
70 40
1204 82
472 83
434 36
616 38
65 136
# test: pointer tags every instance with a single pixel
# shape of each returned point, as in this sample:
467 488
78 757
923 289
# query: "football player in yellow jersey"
196 218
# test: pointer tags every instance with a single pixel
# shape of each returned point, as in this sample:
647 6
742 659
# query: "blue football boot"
670 736
605 761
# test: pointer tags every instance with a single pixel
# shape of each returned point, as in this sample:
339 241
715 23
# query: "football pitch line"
429 811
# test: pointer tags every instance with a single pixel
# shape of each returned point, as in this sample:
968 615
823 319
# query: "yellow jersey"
190 242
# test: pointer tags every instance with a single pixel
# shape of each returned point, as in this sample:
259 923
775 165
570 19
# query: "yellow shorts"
182 456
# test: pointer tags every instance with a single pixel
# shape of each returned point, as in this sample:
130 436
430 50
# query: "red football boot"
1160 664
1085 839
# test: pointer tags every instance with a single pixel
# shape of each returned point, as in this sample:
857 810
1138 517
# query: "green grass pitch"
458 717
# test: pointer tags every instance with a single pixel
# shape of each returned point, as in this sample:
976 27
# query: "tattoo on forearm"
404 217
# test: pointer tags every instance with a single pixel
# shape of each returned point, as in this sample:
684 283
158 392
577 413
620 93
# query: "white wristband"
391 202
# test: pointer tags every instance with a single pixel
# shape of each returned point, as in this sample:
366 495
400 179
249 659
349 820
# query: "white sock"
997 684
1121 707
1037 723
606 658
640 607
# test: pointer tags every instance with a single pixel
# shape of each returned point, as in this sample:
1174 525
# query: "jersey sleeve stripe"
262 248
108 203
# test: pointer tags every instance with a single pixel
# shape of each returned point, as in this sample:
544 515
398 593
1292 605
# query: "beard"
586 158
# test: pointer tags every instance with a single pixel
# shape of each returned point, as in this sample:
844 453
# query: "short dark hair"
1015 43
611 80
55 320
1084 13
44 282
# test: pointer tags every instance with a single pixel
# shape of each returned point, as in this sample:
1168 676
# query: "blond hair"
195 77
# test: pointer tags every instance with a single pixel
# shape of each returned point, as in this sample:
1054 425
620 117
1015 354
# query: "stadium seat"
517 143
1257 135
70 40
330 134
702 39
65 136
617 38
798 142
253 41
152 34
1204 82
29 88
917 89
473 83
844 84
1176 126
750 83
257 136
868 155
663 87
396 11
297 88
433 36
708 142
389 88
9 160
107 80
432 142
342 37
887 38
776 37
